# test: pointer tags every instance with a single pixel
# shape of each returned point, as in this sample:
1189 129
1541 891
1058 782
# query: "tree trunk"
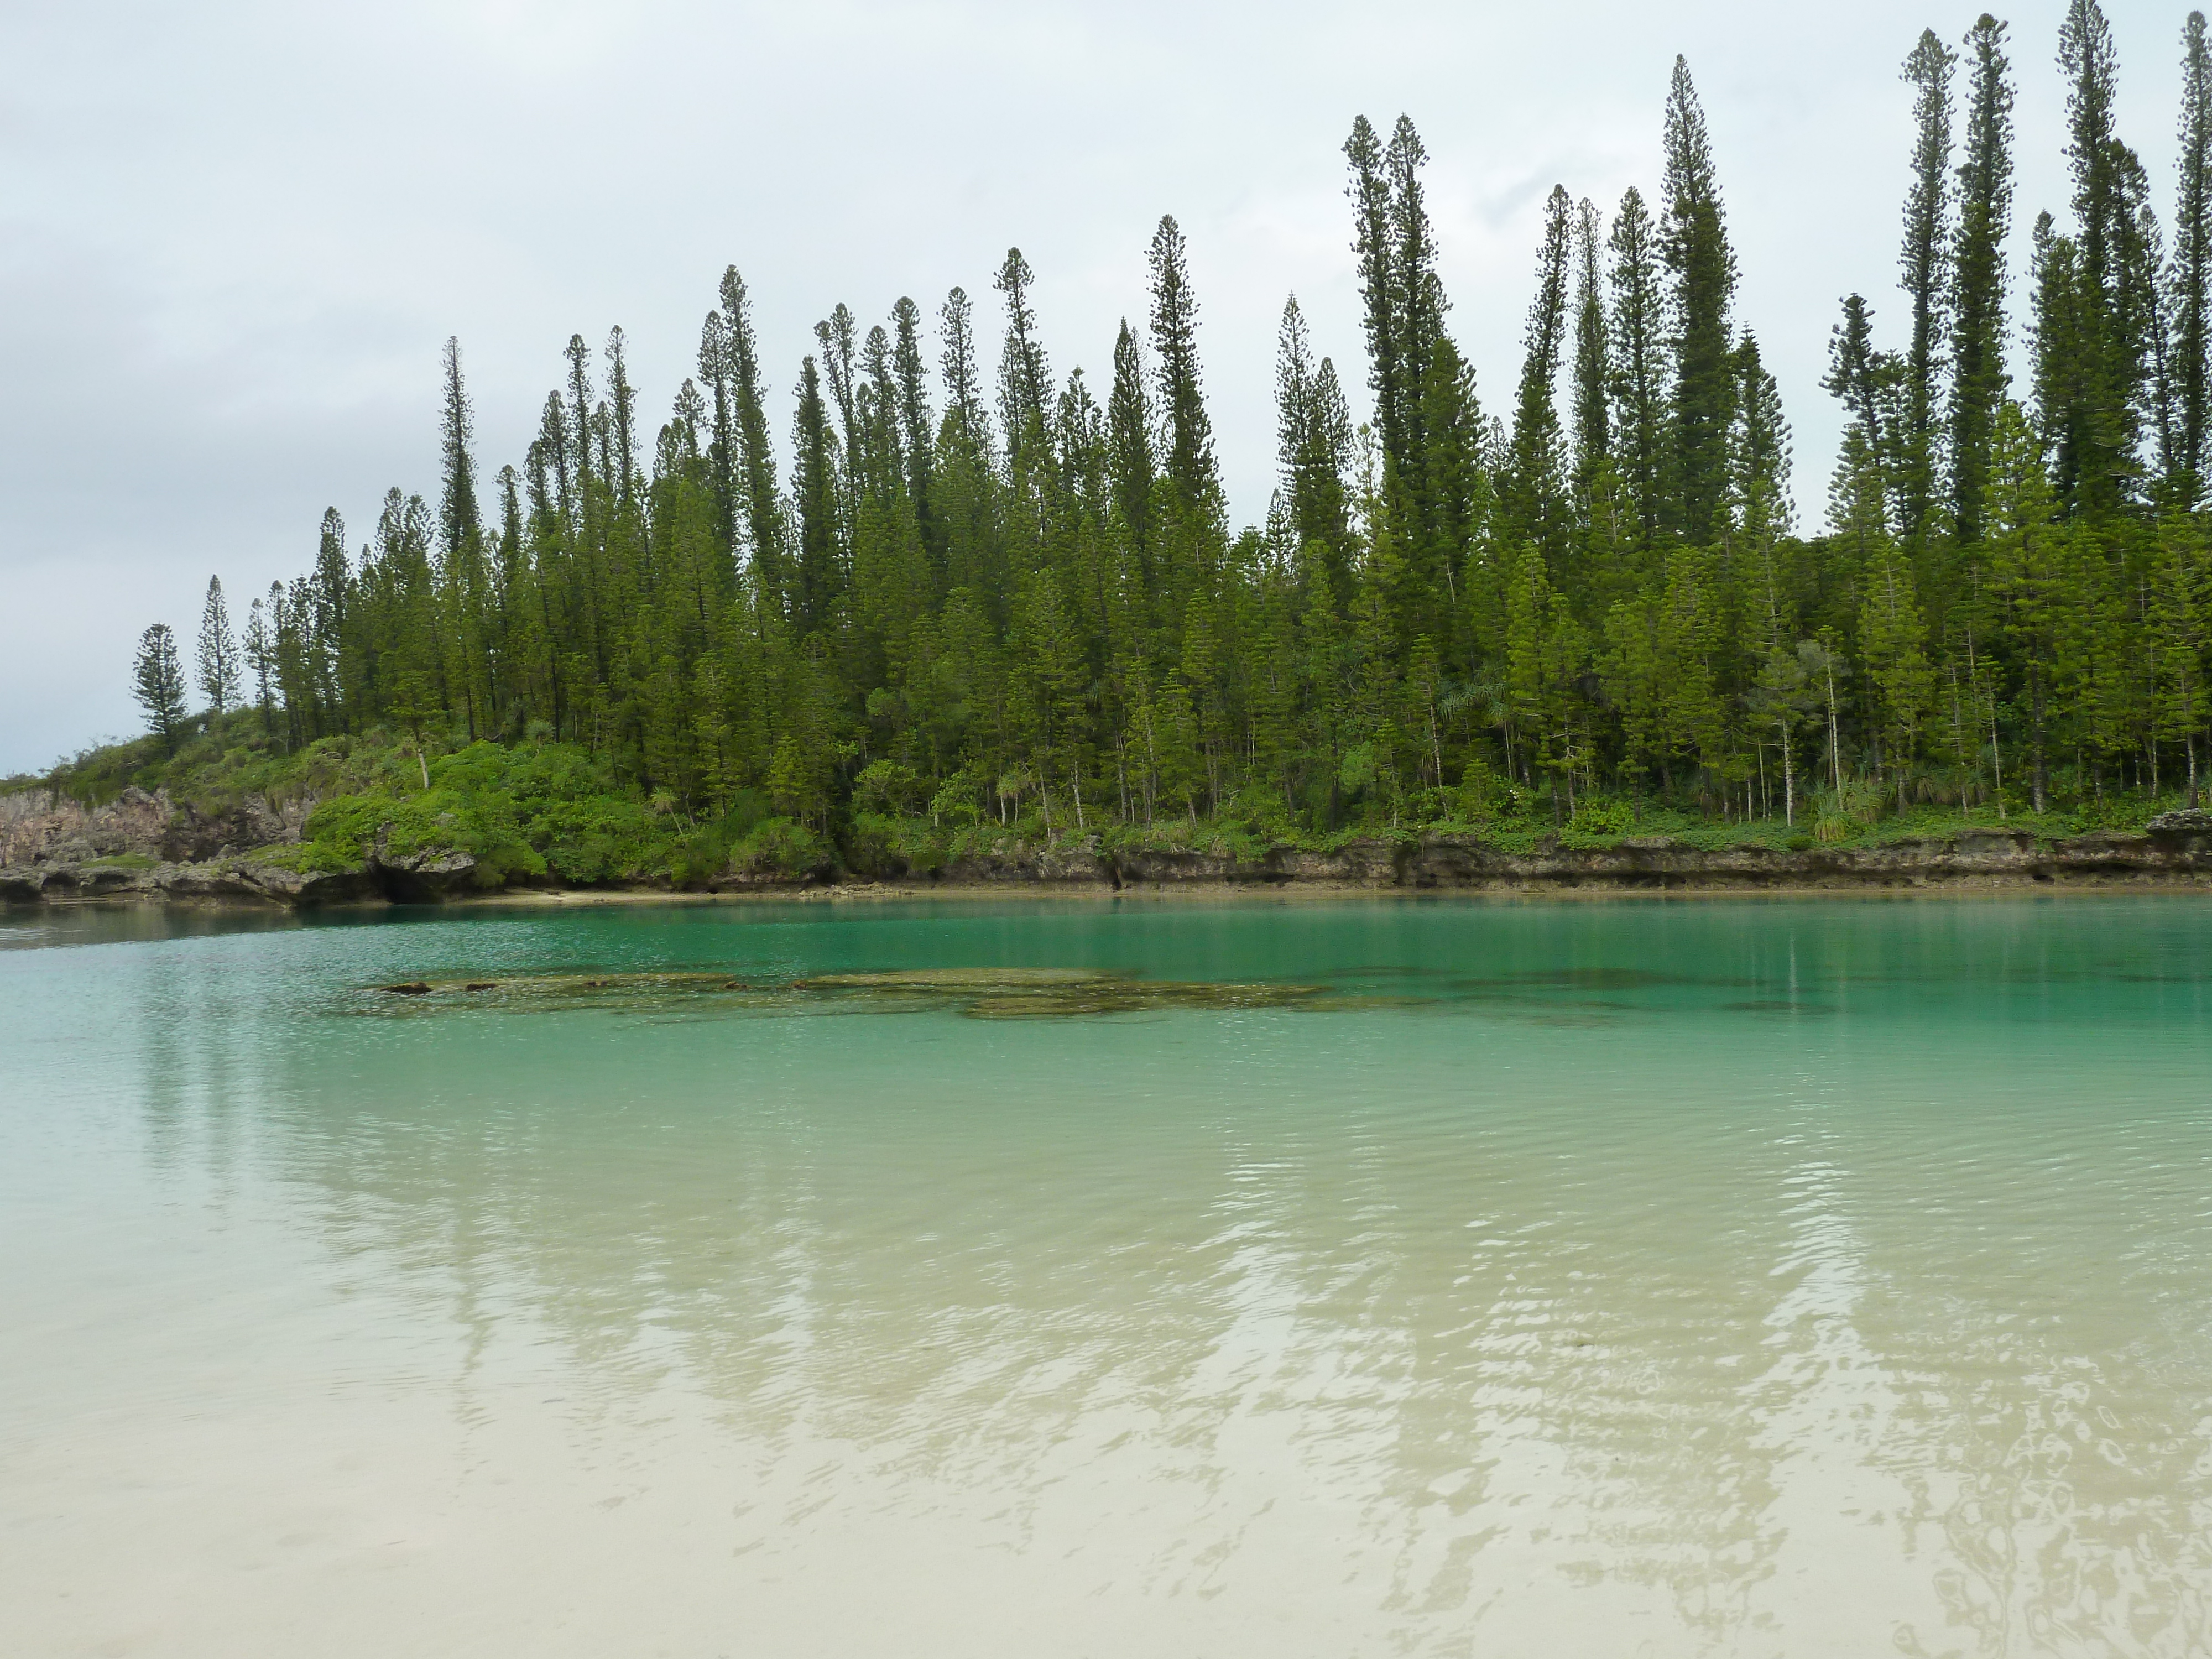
1835 740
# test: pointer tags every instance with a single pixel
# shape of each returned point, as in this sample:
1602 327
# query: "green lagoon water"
1634 1278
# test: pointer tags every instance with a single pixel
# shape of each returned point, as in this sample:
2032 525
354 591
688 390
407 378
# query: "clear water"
1638 1278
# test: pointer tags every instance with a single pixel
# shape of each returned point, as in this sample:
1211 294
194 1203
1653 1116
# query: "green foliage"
887 848
157 681
1483 797
1599 823
464 816
2115 812
886 786
701 857
780 848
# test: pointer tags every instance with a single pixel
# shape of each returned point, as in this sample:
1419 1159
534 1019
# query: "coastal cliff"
145 847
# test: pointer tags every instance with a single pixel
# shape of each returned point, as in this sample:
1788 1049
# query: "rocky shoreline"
144 848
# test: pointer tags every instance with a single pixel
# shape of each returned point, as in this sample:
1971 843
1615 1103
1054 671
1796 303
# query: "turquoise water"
1729 1276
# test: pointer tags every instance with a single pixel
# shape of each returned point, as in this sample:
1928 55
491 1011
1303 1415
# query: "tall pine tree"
2192 268
1923 261
1693 242
1978 380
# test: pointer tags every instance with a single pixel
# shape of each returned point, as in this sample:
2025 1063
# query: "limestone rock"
2184 821
426 876
38 826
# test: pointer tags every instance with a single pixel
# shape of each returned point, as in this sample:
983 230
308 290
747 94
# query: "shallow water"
1638 1278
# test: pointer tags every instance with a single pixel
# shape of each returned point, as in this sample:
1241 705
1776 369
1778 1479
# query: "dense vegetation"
1023 604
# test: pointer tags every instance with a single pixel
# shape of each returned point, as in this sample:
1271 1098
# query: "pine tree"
260 643
754 463
1640 391
2027 567
1688 641
1893 637
1024 378
1455 489
1381 290
1130 445
816 581
1869 383
2147 314
332 660
714 370
1593 424
837 335
1409 364
622 409
1924 260
1977 265
1693 243
1532 500
1190 464
1545 655
219 675
157 681
1313 448
577 417
963 386
915 433
1758 503
2192 270
1417 297
1430 365
2092 397
459 523
965 488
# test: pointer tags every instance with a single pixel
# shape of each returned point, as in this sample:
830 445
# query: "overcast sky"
236 234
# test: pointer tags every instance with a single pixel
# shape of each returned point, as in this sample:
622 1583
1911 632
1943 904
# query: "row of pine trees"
997 595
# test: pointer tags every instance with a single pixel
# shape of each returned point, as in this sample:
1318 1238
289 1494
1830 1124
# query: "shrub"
871 845
705 852
2112 813
1601 820
342 832
958 800
885 848
779 847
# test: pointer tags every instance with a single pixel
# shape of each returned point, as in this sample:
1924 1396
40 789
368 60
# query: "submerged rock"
978 993
953 979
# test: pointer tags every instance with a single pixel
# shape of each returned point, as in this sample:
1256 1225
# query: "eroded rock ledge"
147 847
2176 850
38 827
2164 854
